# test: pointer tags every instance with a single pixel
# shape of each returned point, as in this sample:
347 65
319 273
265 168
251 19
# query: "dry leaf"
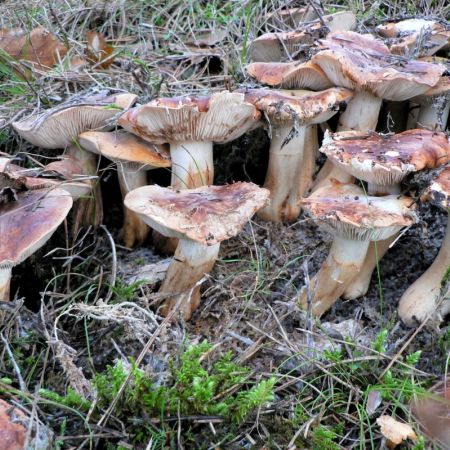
394 431
39 47
373 402
99 52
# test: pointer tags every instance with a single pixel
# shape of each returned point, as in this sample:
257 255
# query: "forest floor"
83 349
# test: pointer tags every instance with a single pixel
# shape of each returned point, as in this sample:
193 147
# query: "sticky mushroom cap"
346 211
386 160
60 126
361 62
209 214
27 223
125 148
220 117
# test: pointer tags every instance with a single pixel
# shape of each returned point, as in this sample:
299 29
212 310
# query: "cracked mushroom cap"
277 46
386 160
317 107
208 215
220 117
60 126
290 75
27 223
345 210
361 62
125 148
13 433
438 192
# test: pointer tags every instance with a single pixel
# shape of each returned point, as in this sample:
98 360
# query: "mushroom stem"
421 298
432 117
192 164
308 165
344 260
190 263
134 230
361 115
282 178
5 281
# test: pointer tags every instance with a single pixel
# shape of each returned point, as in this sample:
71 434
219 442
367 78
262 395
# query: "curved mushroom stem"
421 299
88 211
190 263
282 178
432 117
134 230
5 281
361 115
192 164
344 260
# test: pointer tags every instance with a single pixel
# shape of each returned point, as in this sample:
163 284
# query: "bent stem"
190 263
361 115
134 230
5 281
421 299
282 178
344 261
192 164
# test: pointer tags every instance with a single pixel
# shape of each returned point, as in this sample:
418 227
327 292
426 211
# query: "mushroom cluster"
297 82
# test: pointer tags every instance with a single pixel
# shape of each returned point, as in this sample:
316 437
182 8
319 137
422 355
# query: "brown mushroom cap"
125 147
12 433
346 211
291 17
60 126
27 223
314 108
290 75
221 117
362 62
386 160
438 192
209 214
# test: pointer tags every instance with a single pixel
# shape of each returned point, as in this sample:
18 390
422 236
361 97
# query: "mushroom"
383 162
26 224
289 117
422 298
200 218
290 17
190 125
289 75
59 127
133 157
365 64
278 46
354 219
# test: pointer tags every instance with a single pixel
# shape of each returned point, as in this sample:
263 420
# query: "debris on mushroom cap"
221 117
362 62
395 29
27 223
386 160
289 75
60 126
345 210
208 214
314 108
125 147
12 432
438 192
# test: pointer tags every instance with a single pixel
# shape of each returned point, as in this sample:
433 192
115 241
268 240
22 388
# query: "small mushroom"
421 299
26 224
354 219
133 157
200 218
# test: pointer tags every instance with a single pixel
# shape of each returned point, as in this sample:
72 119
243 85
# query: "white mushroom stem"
189 265
131 177
432 117
192 164
421 299
282 177
5 281
344 260
361 115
